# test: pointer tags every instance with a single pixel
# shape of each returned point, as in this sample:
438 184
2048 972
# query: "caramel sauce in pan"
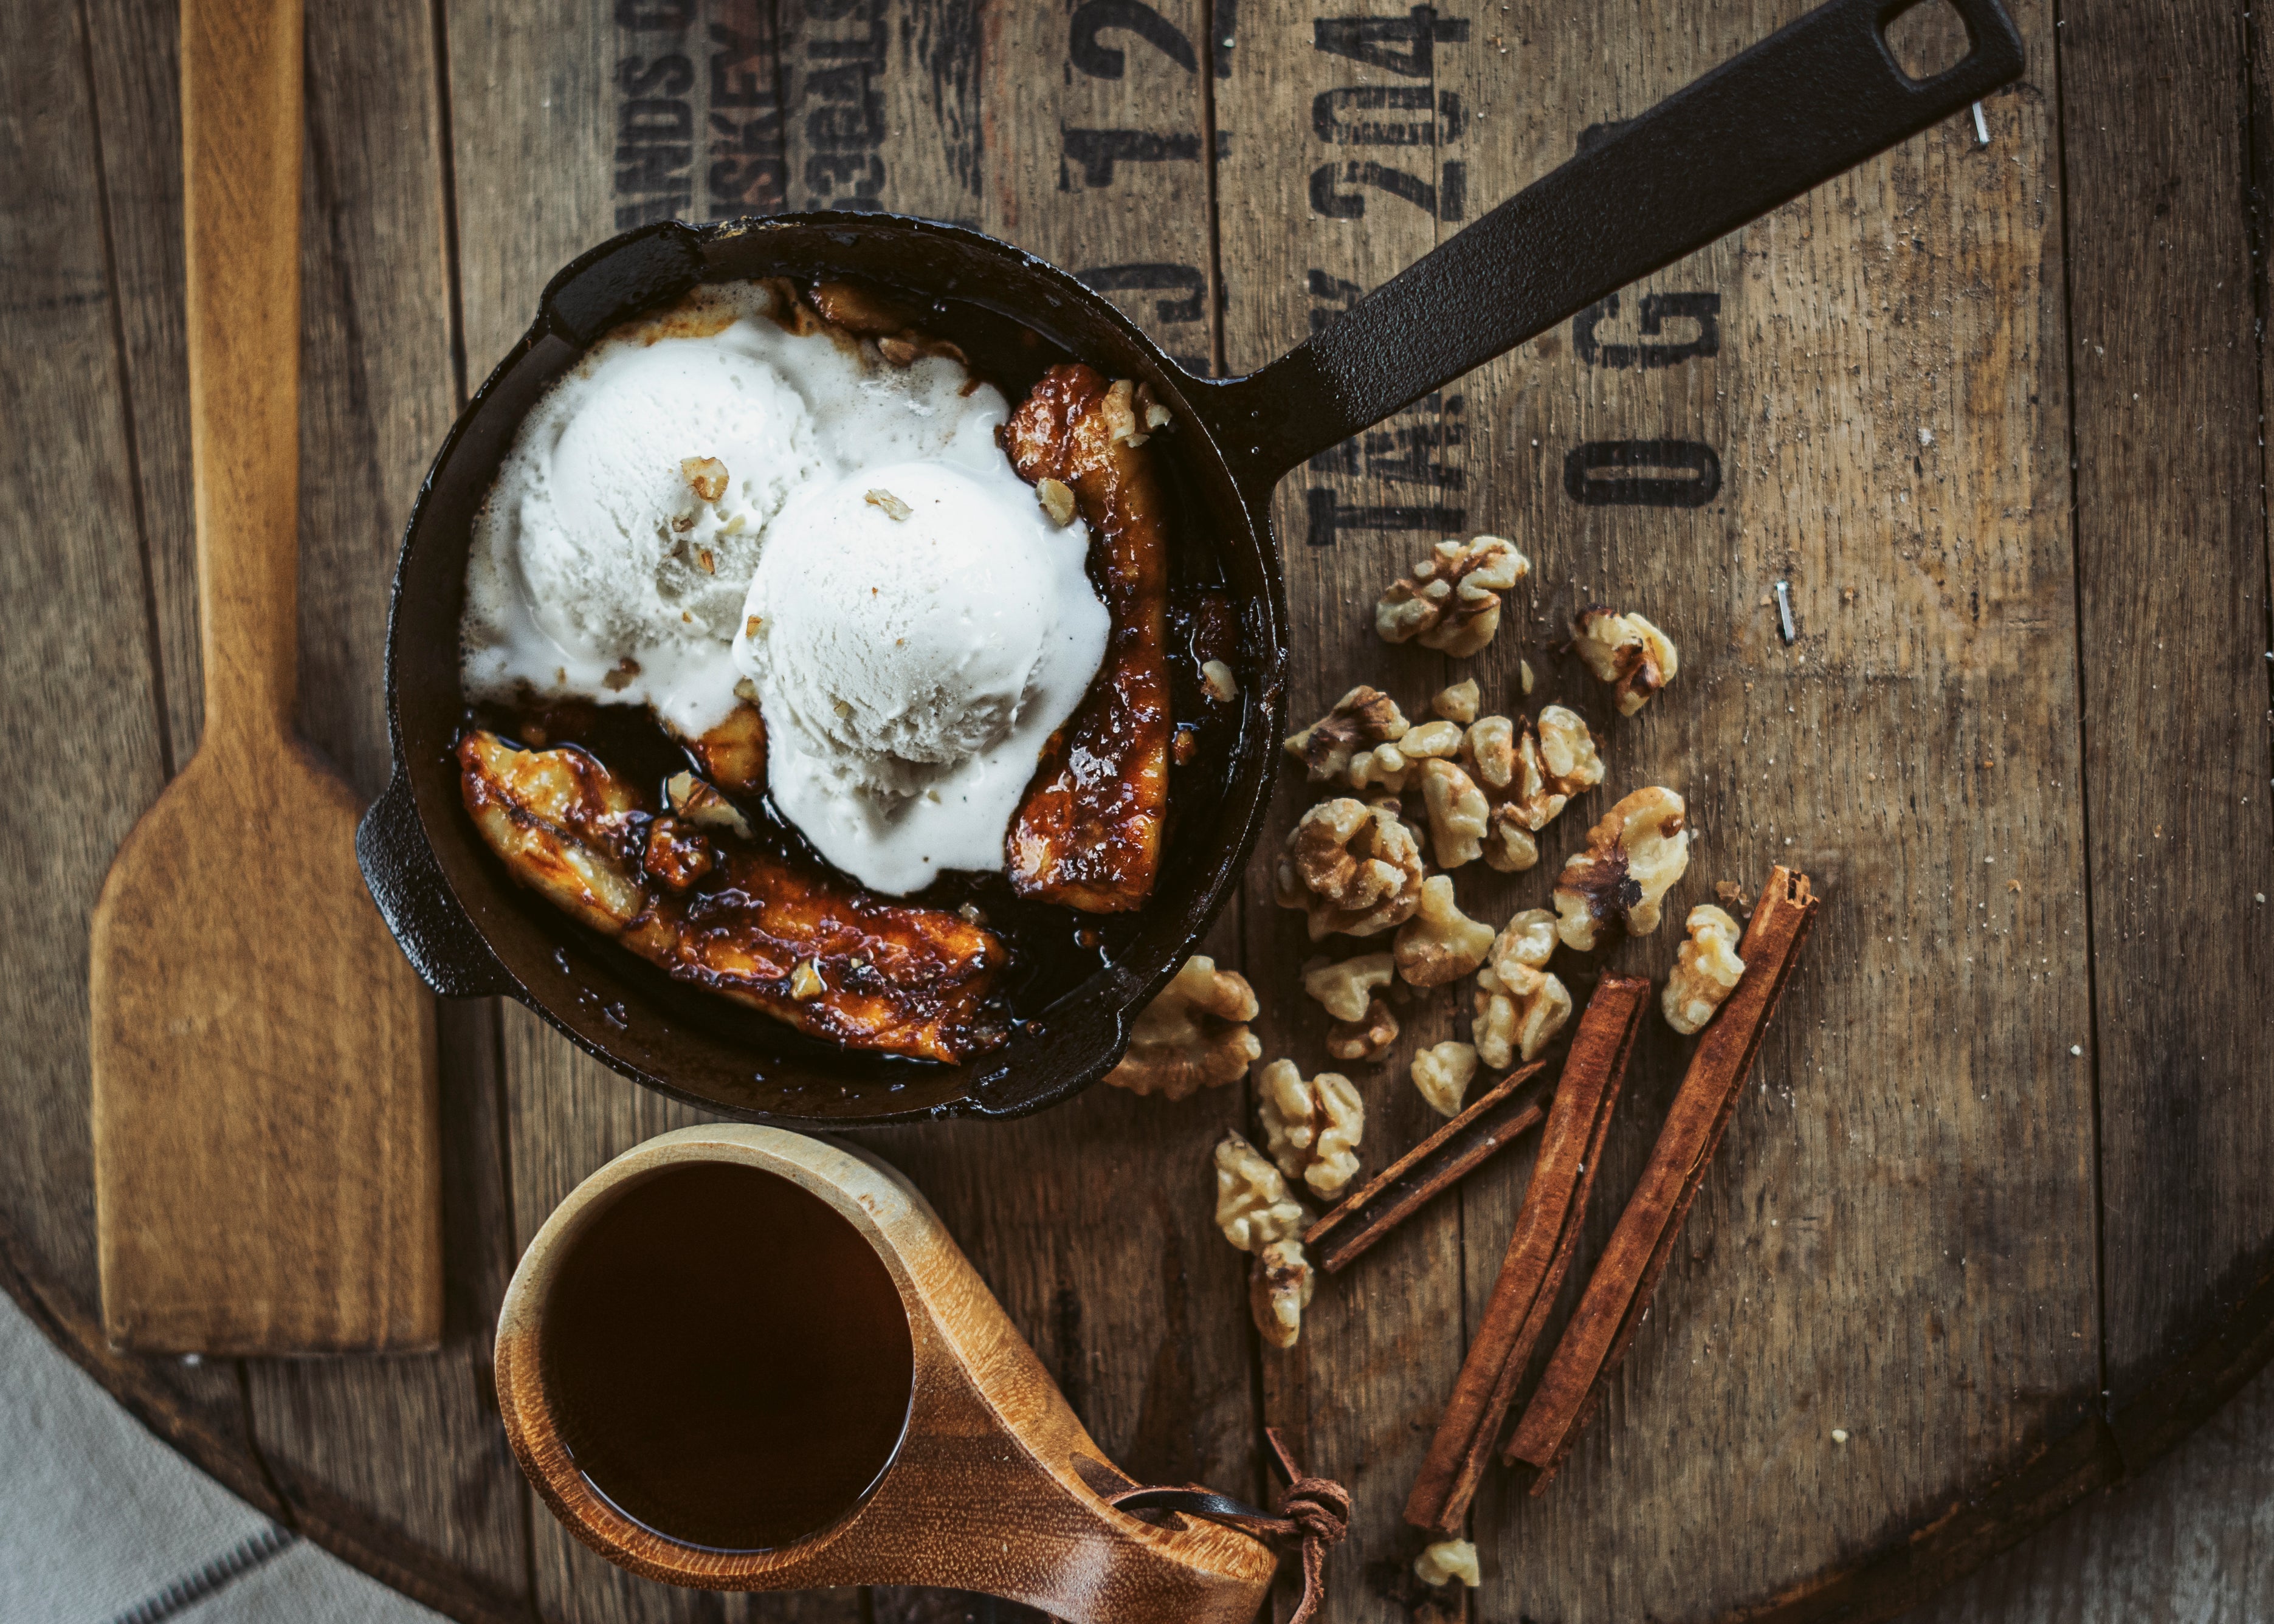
728 1359
1053 948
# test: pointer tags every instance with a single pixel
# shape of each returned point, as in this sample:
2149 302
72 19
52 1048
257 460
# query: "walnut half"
1364 1026
1451 600
1443 1072
1350 867
1520 1005
1638 849
1279 1286
1253 1207
1193 1035
1361 718
1440 944
1706 970
1312 1129
1256 1214
1626 652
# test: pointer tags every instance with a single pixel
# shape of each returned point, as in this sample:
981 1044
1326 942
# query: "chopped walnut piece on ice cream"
1634 853
1627 651
1312 1129
1451 602
706 477
1193 1035
1350 867
1706 970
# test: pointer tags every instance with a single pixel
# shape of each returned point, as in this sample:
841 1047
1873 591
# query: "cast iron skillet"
1811 101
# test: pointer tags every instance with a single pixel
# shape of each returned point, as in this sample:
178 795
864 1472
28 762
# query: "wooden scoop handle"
241 215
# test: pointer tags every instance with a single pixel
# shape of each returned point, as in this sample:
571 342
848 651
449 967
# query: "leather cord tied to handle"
1315 1510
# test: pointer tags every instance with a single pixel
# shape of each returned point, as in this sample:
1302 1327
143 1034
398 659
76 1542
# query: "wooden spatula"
265 1158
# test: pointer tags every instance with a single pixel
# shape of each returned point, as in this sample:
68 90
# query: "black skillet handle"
416 903
1815 98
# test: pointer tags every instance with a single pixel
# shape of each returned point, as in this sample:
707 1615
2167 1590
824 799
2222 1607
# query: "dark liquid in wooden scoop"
727 1358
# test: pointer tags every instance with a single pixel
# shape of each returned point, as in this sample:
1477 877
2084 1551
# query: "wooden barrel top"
1997 1209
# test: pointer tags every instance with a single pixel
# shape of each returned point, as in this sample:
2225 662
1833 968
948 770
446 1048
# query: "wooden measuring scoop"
266 1151
734 1338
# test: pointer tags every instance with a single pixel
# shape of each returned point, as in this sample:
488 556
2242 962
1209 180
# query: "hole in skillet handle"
1927 38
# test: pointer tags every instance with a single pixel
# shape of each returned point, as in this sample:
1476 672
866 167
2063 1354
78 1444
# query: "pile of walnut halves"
1404 805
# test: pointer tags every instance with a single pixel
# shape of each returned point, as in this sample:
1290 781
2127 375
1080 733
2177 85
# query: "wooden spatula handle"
241 186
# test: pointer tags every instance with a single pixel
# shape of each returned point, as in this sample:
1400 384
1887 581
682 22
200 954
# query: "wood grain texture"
85 736
1845 323
1358 1396
215 1091
2189 1541
82 735
1885 403
379 392
134 61
2164 358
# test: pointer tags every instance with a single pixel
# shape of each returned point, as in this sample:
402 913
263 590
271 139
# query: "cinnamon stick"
1618 1293
1492 1124
1538 1255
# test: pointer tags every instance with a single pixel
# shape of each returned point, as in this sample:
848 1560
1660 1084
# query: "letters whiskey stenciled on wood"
1923 293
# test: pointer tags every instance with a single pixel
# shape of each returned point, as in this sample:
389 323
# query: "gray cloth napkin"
100 1523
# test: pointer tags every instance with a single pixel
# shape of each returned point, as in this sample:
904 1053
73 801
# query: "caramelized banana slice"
564 825
844 965
734 753
1088 833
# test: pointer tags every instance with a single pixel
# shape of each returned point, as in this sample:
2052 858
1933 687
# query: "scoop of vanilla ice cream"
618 545
916 632
611 560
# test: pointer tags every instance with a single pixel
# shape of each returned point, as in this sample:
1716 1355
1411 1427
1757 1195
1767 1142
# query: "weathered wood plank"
87 734
83 736
134 54
1883 403
1303 236
2168 395
2188 1542
378 396
1852 691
